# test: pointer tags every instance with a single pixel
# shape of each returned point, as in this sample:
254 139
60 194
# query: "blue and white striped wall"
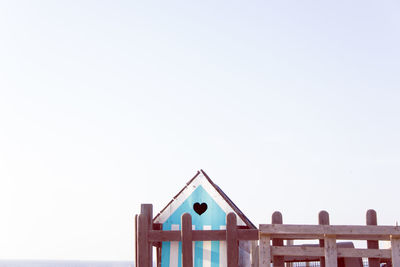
206 253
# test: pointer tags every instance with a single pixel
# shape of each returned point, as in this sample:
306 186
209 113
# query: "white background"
287 105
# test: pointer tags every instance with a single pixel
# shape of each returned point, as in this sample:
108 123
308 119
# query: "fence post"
289 243
147 211
254 254
158 252
232 248
279 261
395 240
372 244
264 253
323 219
136 239
186 237
330 250
143 242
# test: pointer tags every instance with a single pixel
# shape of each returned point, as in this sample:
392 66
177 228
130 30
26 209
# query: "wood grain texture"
302 251
323 219
289 243
330 250
264 254
232 249
186 237
277 260
352 232
143 243
254 254
247 234
158 255
202 235
136 240
364 253
147 211
395 241
162 236
371 219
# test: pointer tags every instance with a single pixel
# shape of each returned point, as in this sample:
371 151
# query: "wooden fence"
271 247
329 233
147 236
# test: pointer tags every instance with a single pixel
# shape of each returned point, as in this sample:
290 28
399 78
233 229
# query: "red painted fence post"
143 256
232 244
186 237
136 239
147 210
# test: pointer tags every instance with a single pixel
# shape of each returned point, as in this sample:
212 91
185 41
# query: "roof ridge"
222 194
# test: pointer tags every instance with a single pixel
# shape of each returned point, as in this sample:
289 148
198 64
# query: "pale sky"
104 105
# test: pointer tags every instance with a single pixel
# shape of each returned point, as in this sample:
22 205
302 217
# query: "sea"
63 263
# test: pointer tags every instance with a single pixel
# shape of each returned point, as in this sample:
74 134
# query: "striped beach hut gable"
208 206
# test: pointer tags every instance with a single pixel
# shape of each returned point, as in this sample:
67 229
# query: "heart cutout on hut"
200 208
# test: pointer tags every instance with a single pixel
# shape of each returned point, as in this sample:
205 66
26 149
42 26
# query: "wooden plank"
371 219
360 232
147 210
297 251
364 253
319 236
395 241
288 243
277 260
197 235
323 219
232 249
162 236
247 234
254 254
301 258
303 251
186 237
202 235
136 240
209 235
330 250
159 255
143 243
264 252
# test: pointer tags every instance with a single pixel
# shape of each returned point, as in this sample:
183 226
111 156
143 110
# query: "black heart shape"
200 208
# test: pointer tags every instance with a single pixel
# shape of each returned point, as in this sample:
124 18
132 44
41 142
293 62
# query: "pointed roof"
201 178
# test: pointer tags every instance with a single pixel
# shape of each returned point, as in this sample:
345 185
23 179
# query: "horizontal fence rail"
341 252
201 235
344 232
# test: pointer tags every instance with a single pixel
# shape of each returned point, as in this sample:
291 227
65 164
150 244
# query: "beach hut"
208 205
